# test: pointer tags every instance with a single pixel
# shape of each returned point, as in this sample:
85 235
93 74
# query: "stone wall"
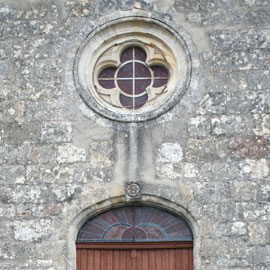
207 158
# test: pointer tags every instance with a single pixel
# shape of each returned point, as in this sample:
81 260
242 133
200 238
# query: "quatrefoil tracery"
132 77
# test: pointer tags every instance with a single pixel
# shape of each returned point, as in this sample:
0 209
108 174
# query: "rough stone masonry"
209 154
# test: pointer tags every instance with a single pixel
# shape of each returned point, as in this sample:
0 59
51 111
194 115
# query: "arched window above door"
135 224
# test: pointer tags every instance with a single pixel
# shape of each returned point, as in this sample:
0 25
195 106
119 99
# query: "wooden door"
135 256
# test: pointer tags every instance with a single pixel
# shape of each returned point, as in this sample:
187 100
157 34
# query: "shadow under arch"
120 201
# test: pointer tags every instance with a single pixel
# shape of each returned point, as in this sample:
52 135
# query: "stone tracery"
133 78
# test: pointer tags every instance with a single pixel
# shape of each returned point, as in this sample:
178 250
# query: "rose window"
132 69
134 78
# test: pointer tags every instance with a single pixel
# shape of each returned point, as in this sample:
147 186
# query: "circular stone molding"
132 69
133 190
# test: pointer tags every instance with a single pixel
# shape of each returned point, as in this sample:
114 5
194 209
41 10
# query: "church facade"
141 126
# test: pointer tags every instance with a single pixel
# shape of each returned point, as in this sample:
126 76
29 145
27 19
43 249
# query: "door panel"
126 256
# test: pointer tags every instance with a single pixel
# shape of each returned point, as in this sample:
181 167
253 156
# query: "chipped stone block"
39 11
30 211
226 40
41 154
181 5
12 111
101 154
18 133
7 12
214 18
25 193
213 104
81 8
199 126
259 79
255 147
212 192
259 232
23 28
12 174
231 125
65 193
256 169
258 38
226 82
43 111
176 171
194 18
69 153
43 194
169 152
244 191
168 162
219 170
100 174
224 61
7 211
237 248
56 132
202 5
260 255
3 69
32 230
251 3
166 170
256 17
189 170
249 102
53 174
252 211
240 40
46 69
264 191
234 103
14 154
206 149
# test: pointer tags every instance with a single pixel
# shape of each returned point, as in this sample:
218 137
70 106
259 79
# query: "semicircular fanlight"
135 224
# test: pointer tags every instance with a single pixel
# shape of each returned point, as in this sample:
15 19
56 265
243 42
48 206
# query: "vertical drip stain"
133 152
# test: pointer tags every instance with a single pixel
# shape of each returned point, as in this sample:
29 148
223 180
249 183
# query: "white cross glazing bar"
136 78
133 74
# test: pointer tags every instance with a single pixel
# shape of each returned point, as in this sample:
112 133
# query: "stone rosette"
133 190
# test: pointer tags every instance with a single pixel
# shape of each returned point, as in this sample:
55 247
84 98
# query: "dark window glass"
161 76
160 82
140 101
126 71
127 102
127 55
126 86
107 73
106 78
140 54
135 224
108 84
141 85
133 77
160 71
142 71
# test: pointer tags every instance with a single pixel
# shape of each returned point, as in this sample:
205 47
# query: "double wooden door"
135 256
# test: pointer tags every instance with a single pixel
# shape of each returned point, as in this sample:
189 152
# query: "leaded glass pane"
135 224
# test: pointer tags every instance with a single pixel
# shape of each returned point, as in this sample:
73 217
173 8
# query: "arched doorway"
136 238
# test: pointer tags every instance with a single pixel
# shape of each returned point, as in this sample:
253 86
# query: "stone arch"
148 200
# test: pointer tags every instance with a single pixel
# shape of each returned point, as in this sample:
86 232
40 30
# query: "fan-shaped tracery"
132 82
135 224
